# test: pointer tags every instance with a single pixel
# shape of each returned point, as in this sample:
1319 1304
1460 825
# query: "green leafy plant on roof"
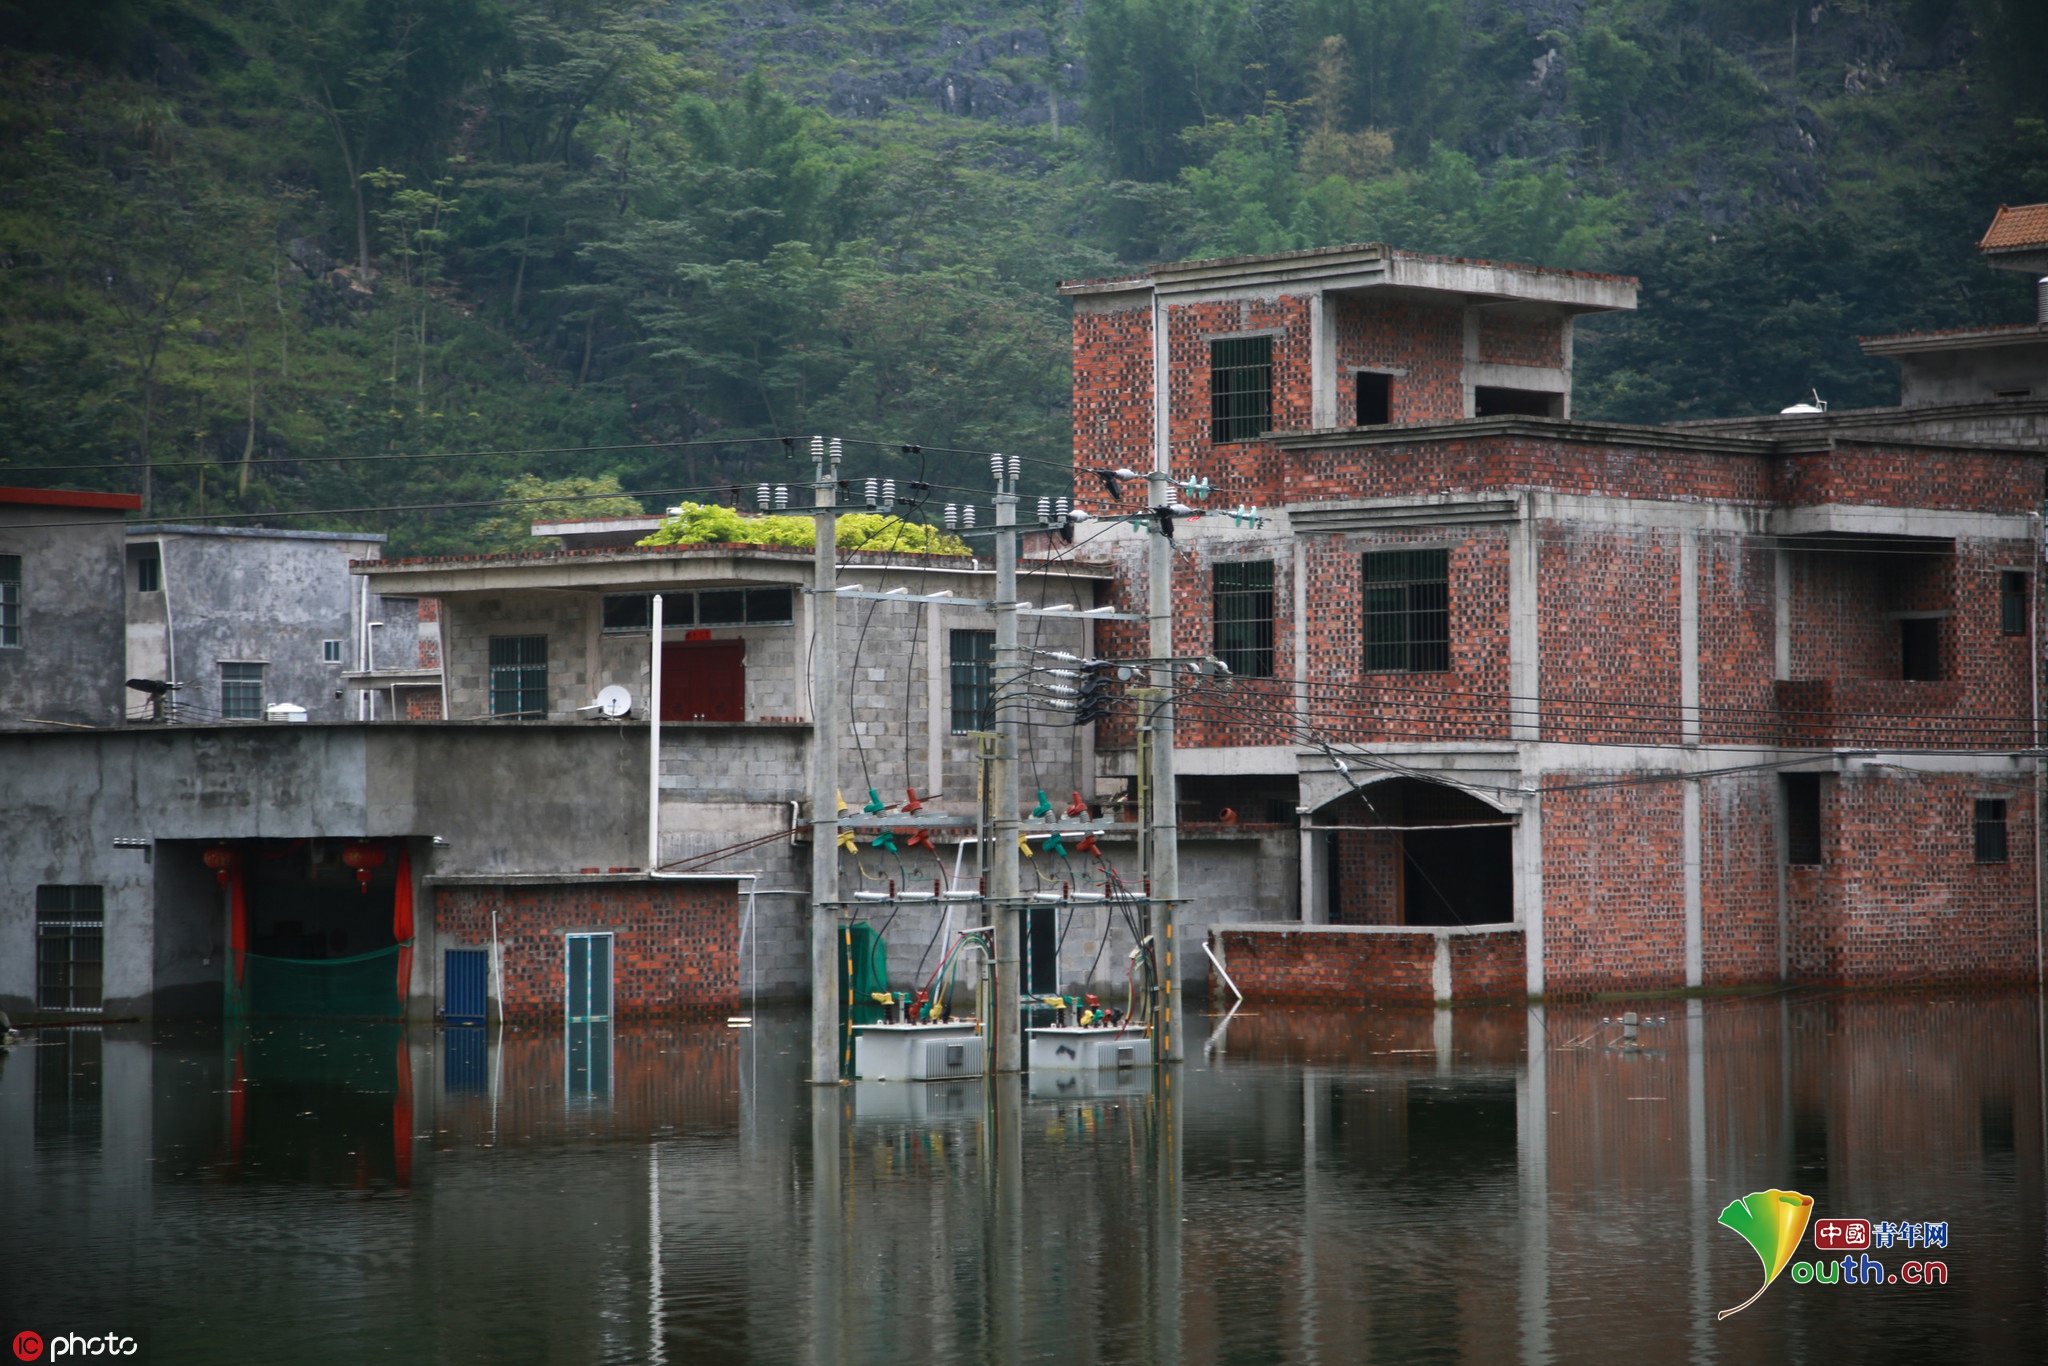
710 524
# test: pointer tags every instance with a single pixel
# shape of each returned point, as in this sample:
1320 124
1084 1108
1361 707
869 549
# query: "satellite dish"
615 701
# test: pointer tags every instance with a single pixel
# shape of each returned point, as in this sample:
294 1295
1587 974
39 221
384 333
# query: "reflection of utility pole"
824 770
1005 876
1165 832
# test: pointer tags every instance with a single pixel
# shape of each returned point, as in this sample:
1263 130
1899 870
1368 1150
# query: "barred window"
1242 600
241 692
1991 844
973 659
10 601
1408 611
2012 602
1240 388
70 930
149 576
519 675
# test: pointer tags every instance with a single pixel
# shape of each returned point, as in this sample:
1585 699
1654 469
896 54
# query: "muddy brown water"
1379 1186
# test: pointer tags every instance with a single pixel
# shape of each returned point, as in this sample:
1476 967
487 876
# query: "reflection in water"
1382 1186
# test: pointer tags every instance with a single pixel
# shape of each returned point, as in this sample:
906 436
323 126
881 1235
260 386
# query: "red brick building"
1642 707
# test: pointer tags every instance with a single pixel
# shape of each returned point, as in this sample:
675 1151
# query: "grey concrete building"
247 620
60 607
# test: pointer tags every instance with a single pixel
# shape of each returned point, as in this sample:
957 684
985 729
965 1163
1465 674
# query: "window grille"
1241 595
519 675
10 601
148 573
1991 843
2012 603
70 933
711 607
973 655
1407 611
1240 388
241 692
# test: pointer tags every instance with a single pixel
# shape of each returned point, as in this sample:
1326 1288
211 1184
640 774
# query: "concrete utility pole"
825 770
1165 833
1005 876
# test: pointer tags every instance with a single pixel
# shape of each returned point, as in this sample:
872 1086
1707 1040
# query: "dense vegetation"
247 245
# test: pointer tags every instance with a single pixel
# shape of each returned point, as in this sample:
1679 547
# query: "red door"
704 680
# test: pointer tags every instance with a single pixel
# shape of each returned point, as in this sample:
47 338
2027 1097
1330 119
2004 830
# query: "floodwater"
1383 1186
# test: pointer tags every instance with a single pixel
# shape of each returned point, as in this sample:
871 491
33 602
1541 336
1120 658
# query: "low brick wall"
1349 965
674 947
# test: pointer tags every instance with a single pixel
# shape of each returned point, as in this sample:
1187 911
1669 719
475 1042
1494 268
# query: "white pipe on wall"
654 741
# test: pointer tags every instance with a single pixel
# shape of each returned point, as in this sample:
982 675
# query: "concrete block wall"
674 943
566 619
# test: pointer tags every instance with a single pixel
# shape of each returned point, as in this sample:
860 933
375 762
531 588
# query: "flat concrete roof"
639 568
256 533
1955 339
1375 265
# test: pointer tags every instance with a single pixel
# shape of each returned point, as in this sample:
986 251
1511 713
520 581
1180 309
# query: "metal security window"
241 692
973 657
634 612
330 652
1408 611
71 927
712 607
1240 388
519 675
149 576
10 601
1991 842
1241 595
2012 603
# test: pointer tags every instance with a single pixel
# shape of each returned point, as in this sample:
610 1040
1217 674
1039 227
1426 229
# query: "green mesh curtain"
364 987
863 970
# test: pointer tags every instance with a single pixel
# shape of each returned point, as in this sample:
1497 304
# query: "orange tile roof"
2017 228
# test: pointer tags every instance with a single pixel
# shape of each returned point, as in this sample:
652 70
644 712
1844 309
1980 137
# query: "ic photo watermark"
30 1345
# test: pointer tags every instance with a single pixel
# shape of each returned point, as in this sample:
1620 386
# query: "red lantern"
365 858
223 861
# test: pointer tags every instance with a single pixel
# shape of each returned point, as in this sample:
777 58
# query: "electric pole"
1165 832
825 769
1005 875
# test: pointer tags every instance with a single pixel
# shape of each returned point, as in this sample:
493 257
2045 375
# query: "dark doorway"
1044 951
1458 877
1411 852
1489 401
704 680
1920 649
1375 399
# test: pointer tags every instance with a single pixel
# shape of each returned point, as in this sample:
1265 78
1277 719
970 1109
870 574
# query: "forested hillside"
262 256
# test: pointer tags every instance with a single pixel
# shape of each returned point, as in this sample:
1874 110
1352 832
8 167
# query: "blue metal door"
467 973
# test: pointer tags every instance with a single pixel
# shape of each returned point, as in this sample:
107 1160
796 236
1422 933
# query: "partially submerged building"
1518 703
1569 706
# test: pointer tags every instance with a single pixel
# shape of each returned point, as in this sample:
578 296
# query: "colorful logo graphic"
1772 1222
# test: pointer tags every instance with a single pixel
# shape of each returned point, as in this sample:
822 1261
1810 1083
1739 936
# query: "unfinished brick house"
1560 705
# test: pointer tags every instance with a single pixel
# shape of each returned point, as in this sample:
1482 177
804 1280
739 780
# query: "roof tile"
2017 228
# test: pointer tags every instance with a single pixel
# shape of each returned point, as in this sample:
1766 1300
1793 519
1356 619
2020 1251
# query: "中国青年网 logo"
1774 1223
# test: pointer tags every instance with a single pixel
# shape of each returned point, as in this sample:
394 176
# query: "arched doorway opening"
1406 851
